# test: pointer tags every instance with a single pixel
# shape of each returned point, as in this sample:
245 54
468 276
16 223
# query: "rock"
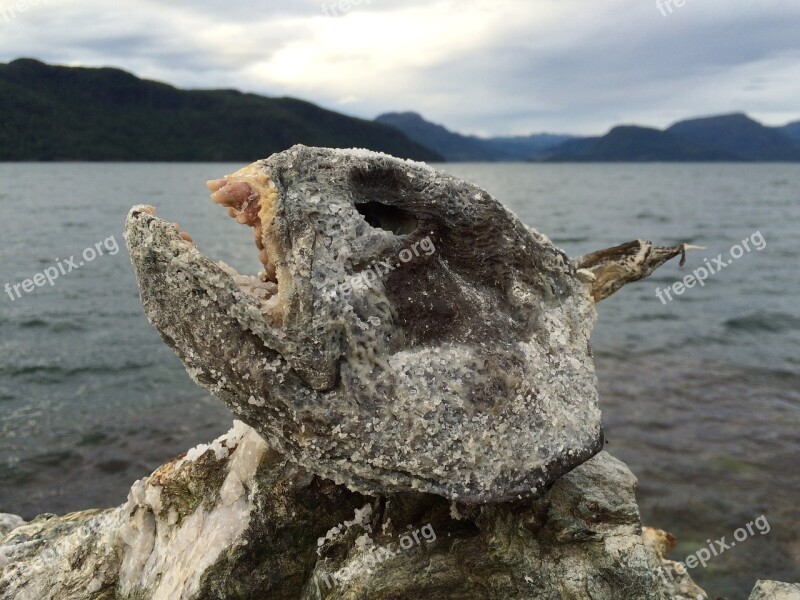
235 519
676 578
233 514
774 590
9 522
581 540
408 332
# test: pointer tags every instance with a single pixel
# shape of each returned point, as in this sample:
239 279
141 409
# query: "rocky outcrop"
677 581
774 590
9 522
234 519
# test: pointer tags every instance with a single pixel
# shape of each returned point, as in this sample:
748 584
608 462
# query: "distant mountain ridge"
792 130
734 137
462 148
65 113
630 143
76 113
738 135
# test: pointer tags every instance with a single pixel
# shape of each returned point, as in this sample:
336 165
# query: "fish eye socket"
387 217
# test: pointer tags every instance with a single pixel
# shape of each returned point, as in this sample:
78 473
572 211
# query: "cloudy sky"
477 66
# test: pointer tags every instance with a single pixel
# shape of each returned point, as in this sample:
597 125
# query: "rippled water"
701 396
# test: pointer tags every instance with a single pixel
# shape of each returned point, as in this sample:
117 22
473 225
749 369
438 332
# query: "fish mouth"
175 278
251 198
169 265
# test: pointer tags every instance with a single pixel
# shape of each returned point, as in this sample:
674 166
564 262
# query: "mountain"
568 151
63 113
453 146
75 113
791 130
628 143
461 148
525 147
734 137
740 136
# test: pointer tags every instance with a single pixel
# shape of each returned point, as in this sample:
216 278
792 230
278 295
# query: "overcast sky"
477 66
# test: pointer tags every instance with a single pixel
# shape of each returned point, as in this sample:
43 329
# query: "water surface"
700 396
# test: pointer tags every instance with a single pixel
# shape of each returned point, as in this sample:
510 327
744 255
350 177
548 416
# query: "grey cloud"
605 63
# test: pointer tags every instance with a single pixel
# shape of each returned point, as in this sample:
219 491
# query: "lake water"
700 396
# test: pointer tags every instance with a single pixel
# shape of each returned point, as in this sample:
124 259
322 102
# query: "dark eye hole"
388 218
